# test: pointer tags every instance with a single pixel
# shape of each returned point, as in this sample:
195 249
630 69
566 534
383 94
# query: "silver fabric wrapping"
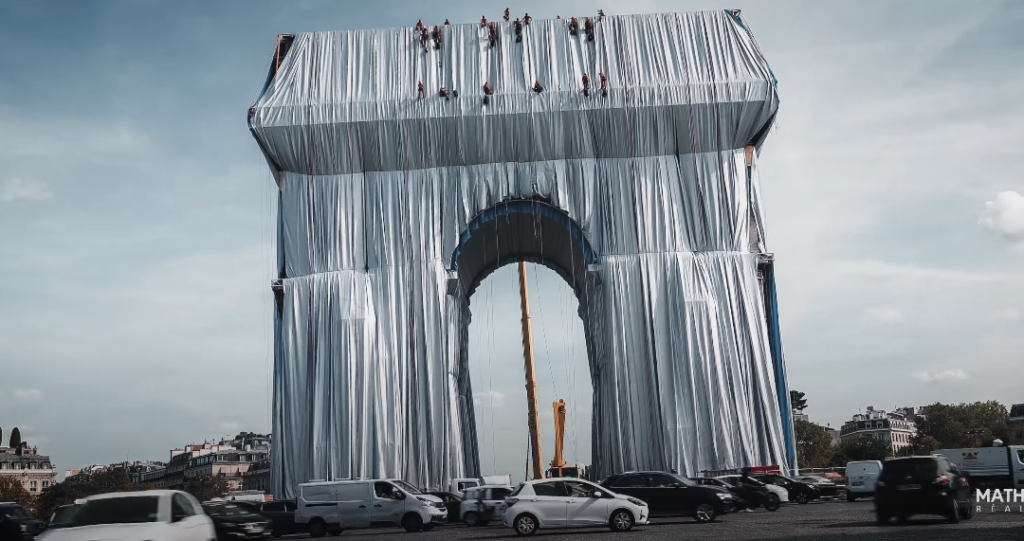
378 189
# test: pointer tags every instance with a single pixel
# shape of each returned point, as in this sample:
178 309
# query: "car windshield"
14 511
64 514
228 510
915 468
122 510
406 487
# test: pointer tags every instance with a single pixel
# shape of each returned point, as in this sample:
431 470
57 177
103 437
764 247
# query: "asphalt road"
815 521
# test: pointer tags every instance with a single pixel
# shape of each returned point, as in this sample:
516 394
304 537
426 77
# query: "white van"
333 506
862 478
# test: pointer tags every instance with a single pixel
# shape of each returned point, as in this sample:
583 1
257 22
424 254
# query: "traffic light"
797 401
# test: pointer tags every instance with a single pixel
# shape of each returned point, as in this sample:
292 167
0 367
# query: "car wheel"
525 525
953 515
802 498
851 497
412 522
968 512
317 528
470 519
772 502
704 512
621 521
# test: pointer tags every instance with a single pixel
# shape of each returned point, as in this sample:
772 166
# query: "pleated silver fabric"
384 206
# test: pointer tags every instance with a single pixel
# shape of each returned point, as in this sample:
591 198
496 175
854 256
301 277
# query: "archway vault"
394 206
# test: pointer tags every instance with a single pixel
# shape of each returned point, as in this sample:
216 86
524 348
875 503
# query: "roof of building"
1017 410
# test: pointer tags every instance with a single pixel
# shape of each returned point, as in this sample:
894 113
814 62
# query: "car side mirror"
598 494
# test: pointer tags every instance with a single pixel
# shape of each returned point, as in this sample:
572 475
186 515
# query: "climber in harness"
506 14
519 31
446 23
424 38
574 25
588 27
586 85
419 89
483 22
444 93
604 86
419 25
527 19
600 14
537 88
437 38
487 94
494 34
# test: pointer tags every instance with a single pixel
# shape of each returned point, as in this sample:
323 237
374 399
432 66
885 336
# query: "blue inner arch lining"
535 208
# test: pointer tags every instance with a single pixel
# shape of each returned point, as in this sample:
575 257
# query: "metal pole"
531 380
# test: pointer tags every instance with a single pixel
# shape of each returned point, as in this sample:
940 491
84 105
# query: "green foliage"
204 487
82 486
11 490
15 438
861 449
953 426
797 401
813 445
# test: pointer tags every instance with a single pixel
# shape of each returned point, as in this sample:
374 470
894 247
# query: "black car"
62 516
668 494
16 514
452 502
798 491
281 514
922 485
233 521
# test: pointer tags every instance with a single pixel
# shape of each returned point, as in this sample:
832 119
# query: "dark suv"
922 485
669 494
16 514
798 491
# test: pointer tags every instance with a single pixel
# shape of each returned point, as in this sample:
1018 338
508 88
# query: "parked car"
331 506
668 494
481 502
452 503
826 488
156 515
281 514
570 502
797 491
922 485
16 514
62 515
862 476
231 521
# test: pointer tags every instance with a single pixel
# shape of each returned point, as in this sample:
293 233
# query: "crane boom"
533 418
557 463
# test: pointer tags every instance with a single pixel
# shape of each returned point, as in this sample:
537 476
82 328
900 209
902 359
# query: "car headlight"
724 496
24 527
636 502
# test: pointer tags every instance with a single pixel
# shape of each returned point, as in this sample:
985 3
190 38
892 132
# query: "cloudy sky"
136 218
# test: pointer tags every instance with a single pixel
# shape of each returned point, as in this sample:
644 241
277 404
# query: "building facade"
25 464
1015 425
895 427
230 459
258 476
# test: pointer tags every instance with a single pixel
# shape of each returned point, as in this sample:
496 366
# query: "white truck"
989 467
332 506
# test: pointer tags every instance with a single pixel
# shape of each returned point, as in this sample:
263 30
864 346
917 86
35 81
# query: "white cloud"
492 398
942 375
885 315
25 189
28 395
1005 216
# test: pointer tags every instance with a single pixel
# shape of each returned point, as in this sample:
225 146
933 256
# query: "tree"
15 438
11 490
204 487
863 448
954 426
813 444
81 486
797 401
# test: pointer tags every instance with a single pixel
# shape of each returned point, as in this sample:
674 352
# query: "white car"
734 480
569 502
156 515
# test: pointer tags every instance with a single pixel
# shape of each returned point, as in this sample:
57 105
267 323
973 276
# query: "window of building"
46 484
